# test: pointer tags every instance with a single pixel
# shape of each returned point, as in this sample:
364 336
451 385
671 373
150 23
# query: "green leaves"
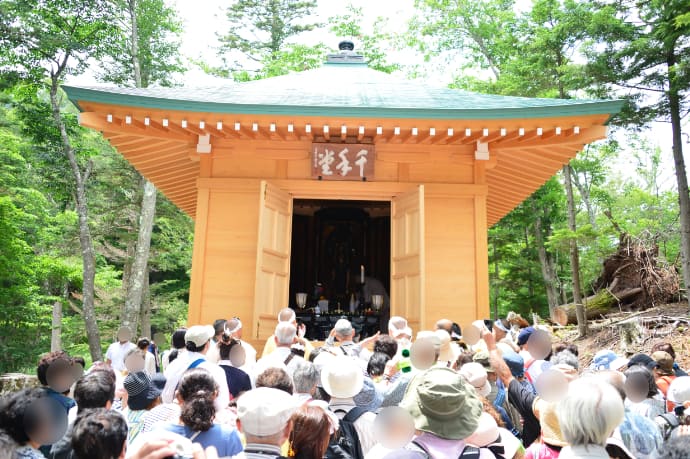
46 37
259 29
158 30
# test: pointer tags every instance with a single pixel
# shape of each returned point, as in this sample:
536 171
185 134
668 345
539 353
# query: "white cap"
199 334
342 377
475 374
679 390
265 411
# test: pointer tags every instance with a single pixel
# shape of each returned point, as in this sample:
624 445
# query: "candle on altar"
361 274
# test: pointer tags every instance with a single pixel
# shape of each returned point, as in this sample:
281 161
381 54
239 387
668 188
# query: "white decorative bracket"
482 151
204 145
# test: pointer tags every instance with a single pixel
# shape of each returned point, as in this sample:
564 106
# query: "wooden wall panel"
451 276
226 278
441 172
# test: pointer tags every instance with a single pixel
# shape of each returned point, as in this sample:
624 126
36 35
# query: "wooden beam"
98 121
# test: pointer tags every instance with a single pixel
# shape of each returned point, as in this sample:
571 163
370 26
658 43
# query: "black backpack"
346 445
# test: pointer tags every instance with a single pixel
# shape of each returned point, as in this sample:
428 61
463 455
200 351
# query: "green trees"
66 195
46 41
145 53
642 49
258 42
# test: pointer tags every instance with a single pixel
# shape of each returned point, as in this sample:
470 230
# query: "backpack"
469 452
668 422
346 445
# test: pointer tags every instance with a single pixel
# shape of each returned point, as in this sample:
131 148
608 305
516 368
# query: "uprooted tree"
633 278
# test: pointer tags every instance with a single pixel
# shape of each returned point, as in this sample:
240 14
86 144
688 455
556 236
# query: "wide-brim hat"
550 426
442 403
615 445
488 435
142 390
342 377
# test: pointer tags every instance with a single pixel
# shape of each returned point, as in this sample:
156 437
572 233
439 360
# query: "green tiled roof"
342 90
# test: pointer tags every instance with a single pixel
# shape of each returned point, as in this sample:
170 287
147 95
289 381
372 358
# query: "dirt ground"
605 335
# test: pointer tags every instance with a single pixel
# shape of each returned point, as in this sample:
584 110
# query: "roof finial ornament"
346 45
346 54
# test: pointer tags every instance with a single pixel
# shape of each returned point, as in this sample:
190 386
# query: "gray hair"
305 377
287 315
285 333
343 328
566 358
590 412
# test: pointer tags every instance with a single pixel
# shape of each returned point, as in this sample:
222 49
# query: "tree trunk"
574 254
85 241
548 271
138 275
583 188
146 309
136 62
597 305
56 329
497 288
139 271
681 176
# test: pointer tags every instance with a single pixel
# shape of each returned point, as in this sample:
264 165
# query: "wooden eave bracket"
204 145
482 151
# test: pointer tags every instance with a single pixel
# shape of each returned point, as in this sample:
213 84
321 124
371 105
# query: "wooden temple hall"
337 180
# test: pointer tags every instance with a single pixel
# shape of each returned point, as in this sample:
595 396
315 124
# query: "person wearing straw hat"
551 440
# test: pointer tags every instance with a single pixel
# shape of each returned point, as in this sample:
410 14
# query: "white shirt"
276 359
174 372
149 363
250 353
116 354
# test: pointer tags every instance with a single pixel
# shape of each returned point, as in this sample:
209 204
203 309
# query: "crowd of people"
499 391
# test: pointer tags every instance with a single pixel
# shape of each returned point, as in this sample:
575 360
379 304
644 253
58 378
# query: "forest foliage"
554 48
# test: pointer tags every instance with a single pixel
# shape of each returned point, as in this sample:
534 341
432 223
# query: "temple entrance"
335 246
305 240
333 242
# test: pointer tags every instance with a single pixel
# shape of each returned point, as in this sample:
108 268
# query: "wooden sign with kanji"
333 161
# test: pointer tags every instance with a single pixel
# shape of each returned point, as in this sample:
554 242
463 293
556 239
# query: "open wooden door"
407 256
273 258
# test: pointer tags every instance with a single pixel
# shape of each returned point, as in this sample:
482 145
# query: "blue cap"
604 359
515 362
524 335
